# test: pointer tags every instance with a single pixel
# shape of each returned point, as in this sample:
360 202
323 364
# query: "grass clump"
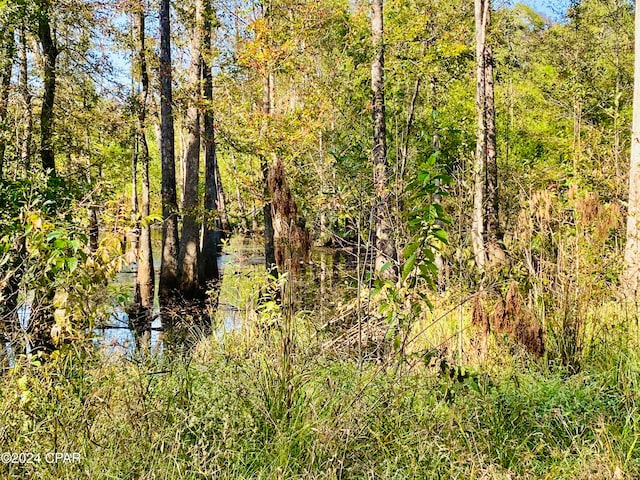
240 409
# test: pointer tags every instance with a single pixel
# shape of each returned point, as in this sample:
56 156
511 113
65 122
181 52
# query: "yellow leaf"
36 220
60 299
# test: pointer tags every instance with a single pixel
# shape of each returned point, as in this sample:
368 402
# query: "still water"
328 280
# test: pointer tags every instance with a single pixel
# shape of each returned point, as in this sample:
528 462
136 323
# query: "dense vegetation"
472 165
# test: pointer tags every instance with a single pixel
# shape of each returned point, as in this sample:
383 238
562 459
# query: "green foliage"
402 303
426 221
231 416
45 250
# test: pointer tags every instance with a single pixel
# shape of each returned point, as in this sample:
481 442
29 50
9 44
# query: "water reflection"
328 281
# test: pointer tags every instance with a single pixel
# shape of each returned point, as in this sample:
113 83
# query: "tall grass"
248 407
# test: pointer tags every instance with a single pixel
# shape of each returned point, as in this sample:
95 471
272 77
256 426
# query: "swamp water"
317 289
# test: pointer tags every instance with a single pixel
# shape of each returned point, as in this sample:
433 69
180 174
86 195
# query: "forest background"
468 162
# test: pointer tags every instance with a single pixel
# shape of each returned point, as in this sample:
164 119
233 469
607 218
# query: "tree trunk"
169 265
269 235
6 64
267 103
50 56
42 314
435 144
190 239
477 221
224 228
94 228
145 274
485 227
210 230
494 250
632 249
135 239
385 248
486 234
291 239
404 151
27 133
244 217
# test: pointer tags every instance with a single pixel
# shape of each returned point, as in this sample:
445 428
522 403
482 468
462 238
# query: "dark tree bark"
169 265
42 318
190 239
269 234
50 56
291 238
267 104
211 230
94 229
384 244
7 50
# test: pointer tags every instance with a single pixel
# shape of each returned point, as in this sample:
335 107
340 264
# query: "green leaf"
74 245
441 235
407 268
72 263
385 267
410 249
54 234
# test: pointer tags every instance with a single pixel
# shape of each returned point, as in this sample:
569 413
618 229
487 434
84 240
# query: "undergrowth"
237 410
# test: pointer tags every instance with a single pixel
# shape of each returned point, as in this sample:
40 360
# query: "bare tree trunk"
94 228
385 247
632 249
482 8
25 151
494 250
145 255
50 52
42 319
269 234
145 274
435 144
135 239
169 265
211 232
190 239
485 231
269 240
6 64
